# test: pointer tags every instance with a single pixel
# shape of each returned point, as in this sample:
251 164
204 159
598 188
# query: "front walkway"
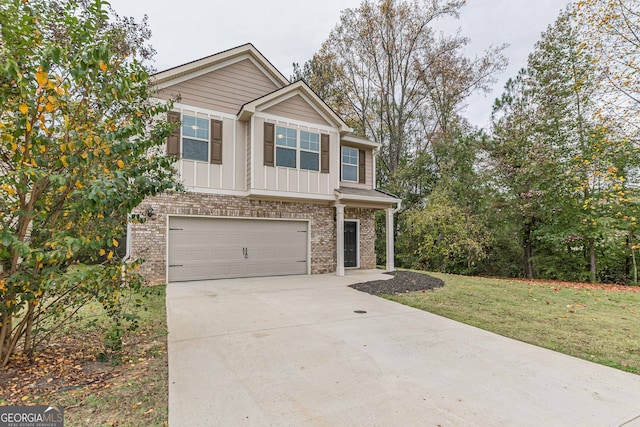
292 351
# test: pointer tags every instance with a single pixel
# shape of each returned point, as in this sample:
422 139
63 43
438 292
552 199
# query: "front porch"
347 198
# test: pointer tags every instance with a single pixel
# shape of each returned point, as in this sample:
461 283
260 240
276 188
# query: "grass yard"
593 324
97 387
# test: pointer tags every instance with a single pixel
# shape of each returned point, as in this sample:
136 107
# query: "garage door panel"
212 248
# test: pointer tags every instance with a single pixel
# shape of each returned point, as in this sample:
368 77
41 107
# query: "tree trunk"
635 265
592 259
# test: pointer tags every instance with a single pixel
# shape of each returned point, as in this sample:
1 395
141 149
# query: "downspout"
127 255
395 211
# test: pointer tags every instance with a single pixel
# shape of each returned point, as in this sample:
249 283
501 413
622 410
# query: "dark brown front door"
350 244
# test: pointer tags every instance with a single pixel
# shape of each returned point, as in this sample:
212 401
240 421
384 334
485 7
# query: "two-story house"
276 184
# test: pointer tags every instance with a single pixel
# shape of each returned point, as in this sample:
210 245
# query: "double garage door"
215 248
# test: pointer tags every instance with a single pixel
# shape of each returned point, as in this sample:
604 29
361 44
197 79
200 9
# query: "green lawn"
596 325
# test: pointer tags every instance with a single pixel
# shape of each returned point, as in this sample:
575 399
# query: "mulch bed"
402 281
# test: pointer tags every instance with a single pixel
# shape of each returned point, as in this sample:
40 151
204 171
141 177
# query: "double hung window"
195 138
294 147
350 164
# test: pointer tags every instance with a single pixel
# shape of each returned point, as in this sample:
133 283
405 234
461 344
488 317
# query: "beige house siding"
369 184
240 156
225 89
297 108
293 180
230 174
248 131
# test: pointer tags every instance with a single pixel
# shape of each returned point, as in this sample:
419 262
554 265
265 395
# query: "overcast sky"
288 31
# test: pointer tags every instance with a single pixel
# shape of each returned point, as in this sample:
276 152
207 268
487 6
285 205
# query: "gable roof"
297 88
208 63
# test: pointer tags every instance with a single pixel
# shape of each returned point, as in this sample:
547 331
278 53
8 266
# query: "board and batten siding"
293 180
231 173
297 108
225 90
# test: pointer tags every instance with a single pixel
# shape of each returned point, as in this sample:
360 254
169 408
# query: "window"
349 164
195 138
309 151
286 145
289 154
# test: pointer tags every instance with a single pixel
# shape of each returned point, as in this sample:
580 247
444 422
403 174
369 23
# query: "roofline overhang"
356 140
161 78
359 198
300 87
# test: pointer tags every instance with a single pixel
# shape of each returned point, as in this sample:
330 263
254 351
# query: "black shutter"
216 142
324 153
362 164
173 140
269 131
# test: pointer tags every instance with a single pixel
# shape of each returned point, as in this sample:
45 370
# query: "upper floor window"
309 151
195 138
350 164
286 147
290 153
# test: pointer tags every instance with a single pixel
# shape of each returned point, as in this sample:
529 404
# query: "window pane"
349 173
285 157
188 124
309 141
203 128
195 150
310 161
286 137
195 127
349 156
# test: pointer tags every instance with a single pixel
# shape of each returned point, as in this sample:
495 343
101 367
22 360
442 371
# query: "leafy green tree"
80 147
559 162
442 236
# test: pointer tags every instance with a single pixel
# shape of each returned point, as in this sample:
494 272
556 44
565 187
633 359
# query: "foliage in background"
394 79
78 130
550 190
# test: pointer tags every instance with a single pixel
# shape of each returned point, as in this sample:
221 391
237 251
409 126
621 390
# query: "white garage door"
216 248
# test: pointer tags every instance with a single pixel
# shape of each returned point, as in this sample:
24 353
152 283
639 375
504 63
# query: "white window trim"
182 137
357 165
298 149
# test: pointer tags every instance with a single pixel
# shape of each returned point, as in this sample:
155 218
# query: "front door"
350 244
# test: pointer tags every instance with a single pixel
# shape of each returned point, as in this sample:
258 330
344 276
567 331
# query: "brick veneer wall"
149 238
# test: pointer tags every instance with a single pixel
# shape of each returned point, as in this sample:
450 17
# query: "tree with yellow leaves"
610 32
78 133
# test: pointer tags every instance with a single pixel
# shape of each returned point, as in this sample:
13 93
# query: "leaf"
24 109
103 66
42 77
120 164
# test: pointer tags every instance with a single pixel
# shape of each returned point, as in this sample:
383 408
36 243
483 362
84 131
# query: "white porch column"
390 246
339 240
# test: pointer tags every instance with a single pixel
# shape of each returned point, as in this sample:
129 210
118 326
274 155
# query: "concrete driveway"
292 351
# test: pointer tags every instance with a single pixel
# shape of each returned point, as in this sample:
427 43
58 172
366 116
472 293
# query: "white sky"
288 31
